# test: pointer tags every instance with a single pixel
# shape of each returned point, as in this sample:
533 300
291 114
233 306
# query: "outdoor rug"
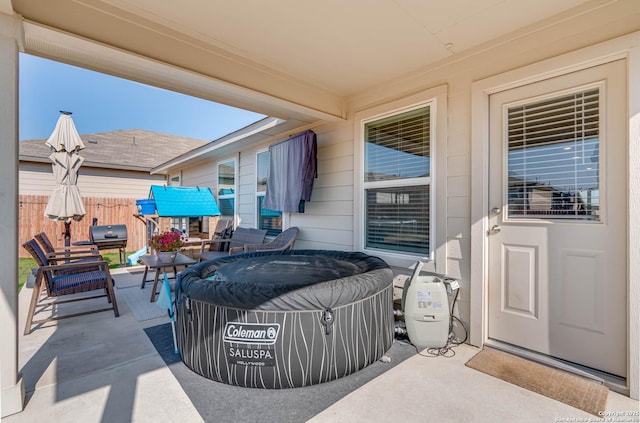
133 277
139 302
576 391
128 288
129 278
218 402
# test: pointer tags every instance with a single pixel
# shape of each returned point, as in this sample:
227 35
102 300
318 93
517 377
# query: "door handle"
494 230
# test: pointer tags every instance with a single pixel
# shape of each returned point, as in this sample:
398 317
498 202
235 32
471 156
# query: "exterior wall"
331 217
37 179
246 183
201 175
327 222
459 77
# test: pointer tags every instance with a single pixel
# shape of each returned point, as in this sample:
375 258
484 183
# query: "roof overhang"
264 130
286 100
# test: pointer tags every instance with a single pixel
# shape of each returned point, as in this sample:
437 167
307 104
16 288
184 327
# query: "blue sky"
103 103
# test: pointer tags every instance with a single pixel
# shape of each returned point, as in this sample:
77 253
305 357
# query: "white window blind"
397 182
397 147
553 157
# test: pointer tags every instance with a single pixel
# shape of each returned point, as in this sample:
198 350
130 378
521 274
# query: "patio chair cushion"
78 282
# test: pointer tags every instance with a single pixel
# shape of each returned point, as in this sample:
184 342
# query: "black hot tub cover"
275 280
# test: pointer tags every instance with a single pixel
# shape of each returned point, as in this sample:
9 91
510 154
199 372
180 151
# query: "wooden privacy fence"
108 211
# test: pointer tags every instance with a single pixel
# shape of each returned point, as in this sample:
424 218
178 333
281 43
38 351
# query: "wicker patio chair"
60 279
68 254
283 242
241 236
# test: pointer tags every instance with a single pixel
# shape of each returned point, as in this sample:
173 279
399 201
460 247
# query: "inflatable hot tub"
284 319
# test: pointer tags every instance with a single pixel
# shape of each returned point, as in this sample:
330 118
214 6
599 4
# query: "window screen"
396 182
553 157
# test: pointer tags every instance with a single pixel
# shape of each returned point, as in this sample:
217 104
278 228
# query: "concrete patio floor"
97 368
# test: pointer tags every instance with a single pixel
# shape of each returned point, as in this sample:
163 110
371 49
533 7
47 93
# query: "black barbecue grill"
108 237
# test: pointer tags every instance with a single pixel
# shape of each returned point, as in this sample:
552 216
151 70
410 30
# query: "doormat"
579 392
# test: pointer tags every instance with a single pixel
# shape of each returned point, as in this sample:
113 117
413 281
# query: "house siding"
246 195
37 179
201 175
327 222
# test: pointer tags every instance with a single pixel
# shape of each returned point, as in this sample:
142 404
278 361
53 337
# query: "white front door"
558 217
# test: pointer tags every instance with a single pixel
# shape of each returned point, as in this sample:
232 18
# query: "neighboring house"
423 111
114 175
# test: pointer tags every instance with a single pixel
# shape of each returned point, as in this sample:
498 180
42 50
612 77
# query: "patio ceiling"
310 55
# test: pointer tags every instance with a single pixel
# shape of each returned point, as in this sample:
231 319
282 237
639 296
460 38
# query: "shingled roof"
133 149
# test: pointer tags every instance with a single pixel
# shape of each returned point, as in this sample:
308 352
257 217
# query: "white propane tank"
426 310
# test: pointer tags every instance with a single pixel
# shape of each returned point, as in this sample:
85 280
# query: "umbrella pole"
67 234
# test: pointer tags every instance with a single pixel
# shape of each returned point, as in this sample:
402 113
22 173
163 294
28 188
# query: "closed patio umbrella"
65 203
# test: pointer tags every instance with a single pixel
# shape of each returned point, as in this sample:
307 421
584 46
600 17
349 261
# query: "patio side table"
151 262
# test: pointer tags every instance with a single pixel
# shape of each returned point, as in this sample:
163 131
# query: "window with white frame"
227 188
271 220
174 180
397 195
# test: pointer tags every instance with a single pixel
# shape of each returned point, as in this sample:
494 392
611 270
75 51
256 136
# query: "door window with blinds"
397 180
553 157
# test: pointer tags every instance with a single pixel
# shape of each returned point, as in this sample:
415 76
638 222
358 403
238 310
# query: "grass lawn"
26 264
24 267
